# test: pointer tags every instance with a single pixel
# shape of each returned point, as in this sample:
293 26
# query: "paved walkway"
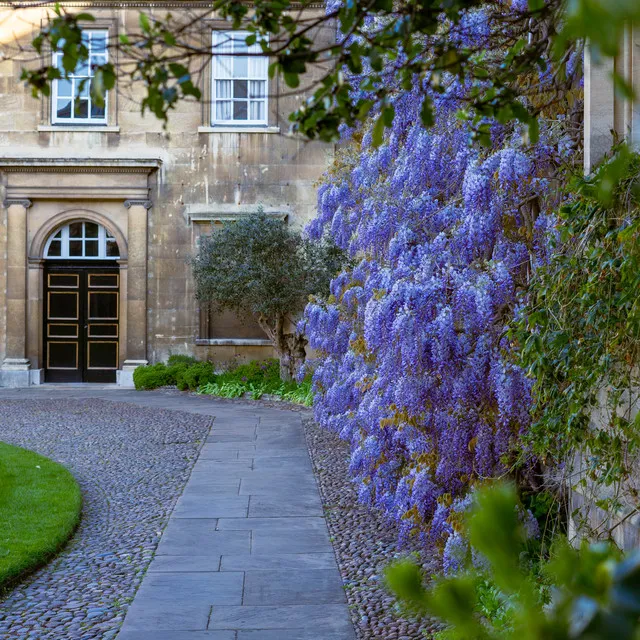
246 553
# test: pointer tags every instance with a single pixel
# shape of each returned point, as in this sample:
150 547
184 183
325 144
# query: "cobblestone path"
132 463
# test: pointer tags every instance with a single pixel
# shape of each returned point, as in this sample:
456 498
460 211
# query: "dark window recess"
227 325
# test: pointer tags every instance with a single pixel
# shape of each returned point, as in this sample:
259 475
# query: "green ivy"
579 333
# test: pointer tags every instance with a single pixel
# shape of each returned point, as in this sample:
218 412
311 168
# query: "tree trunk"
290 347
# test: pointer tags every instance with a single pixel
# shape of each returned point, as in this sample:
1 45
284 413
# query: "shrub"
151 376
180 358
196 375
254 372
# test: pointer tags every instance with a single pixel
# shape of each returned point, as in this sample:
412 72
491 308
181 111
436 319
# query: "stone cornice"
79 165
207 213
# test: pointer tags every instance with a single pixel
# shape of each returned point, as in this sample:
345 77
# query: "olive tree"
261 267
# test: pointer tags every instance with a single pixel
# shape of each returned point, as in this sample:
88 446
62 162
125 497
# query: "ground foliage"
415 367
256 378
579 338
595 594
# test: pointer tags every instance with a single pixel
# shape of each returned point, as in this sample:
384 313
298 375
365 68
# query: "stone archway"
111 192
36 249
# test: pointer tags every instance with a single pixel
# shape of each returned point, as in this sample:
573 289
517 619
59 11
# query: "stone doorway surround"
43 194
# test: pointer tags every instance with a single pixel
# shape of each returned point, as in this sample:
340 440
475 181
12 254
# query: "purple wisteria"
414 368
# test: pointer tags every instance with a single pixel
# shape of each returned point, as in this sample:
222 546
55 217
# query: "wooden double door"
81 322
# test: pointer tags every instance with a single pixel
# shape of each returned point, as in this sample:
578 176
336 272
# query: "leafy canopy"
383 47
260 266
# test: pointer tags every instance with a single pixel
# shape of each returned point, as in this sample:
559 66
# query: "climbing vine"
579 334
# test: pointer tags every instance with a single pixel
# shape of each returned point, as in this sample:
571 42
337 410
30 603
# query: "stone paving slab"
324 617
311 586
191 635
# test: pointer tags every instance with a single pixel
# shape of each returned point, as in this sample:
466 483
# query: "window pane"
75 248
98 41
91 248
256 110
64 108
55 249
258 66
223 89
90 230
240 43
223 110
82 69
222 42
97 112
81 108
112 249
75 230
240 67
82 90
239 88
96 61
257 89
64 88
224 67
240 110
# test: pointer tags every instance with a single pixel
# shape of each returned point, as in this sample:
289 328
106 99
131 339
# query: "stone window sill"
232 342
238 129
79 129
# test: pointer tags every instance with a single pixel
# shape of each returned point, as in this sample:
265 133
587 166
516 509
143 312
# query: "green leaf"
377 133
404 578
292 79
145 25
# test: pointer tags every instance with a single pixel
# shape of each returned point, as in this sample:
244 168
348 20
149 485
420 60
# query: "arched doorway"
81 304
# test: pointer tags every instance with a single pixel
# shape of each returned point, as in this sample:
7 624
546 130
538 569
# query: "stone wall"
202 173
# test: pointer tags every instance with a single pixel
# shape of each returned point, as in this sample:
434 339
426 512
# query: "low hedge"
182 371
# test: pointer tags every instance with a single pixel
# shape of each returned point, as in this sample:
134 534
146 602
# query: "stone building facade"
102 208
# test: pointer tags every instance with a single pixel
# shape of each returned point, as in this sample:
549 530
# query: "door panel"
81 330
102 315
62 355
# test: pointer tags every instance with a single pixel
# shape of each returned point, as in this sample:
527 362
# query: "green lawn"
40 505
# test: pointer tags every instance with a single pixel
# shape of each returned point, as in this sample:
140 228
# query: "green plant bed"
258 378
40 504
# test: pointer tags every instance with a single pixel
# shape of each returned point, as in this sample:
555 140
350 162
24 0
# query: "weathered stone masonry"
155 191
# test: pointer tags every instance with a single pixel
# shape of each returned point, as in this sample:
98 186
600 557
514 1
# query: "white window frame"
73 120
217 38
103 237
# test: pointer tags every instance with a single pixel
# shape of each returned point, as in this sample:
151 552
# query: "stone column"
599 109
35 313
136 289
15 367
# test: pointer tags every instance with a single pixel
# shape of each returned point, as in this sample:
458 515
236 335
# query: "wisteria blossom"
414 368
